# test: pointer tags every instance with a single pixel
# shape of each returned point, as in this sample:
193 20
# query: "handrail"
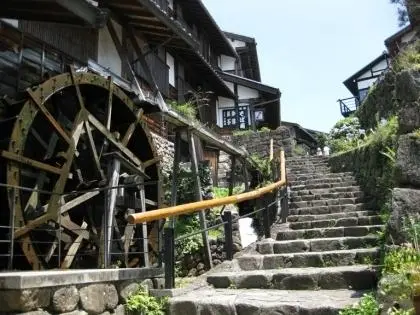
193 207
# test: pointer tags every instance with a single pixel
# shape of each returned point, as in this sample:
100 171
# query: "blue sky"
307 48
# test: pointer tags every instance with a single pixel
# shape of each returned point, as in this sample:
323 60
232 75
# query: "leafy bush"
345 135
409 58
188 110
245 132
400 260
367 306
142 303
264 167
299 150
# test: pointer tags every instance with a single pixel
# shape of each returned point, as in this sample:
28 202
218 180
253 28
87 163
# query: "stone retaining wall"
73 292
255 143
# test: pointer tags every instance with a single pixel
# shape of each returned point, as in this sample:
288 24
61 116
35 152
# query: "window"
170 62
229 119
362 94
259 115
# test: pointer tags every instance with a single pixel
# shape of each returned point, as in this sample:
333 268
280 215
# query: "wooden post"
198 196
271 149
175 173
232 175
246 175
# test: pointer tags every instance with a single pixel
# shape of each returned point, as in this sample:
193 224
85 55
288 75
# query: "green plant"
400 260
263 165
417 133
245 132
409 58
299 150
367 306
402 312
188 110
142 303
264 129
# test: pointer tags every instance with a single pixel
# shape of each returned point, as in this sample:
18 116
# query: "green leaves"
143 304
367 306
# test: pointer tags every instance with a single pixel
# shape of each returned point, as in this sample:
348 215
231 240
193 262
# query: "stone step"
361 277
330 216
308 170
306 176
325 202
347 257
328 209
332 180
259 302
316 245
349 221
328 232
310 197
321 191
324 185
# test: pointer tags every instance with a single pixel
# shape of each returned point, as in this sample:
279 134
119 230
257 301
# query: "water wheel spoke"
54 202
30 162
31 225
130 155
131 128
151 162
93 150
72 251
50 118
51 251
76 85
77 201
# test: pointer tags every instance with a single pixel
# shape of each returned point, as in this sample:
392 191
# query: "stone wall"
373 172
259 142
166 151
255 143
73 292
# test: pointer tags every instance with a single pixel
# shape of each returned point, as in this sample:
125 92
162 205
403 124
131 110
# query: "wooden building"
256 104
360 82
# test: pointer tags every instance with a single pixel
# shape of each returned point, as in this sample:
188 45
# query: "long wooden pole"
193 207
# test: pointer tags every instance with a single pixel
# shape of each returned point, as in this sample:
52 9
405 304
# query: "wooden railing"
193 207
278 189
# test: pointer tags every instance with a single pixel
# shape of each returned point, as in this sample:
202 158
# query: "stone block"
405 202
407 91
65 299
97 298
24 300
408 160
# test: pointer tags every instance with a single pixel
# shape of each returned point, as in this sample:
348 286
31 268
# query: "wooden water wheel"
77 135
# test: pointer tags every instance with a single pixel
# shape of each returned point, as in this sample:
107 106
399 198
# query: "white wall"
237 43
380 66
246 93
15 23
230 85
227 63
366 83
108 56
170 62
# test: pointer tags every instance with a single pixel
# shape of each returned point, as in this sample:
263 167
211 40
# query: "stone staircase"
317 263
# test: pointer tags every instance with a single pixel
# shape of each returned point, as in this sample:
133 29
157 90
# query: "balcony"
349 105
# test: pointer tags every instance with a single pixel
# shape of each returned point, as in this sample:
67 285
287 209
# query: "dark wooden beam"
199 197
